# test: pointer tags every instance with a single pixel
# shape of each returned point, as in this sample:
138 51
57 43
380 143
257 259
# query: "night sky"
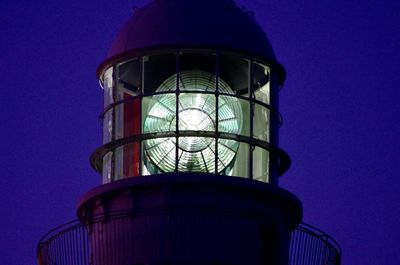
340 106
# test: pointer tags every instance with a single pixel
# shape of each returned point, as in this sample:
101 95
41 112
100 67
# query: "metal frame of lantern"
279 161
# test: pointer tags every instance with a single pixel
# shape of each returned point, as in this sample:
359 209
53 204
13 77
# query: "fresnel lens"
196 112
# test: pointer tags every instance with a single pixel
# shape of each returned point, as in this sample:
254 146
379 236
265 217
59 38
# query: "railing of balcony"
311 246
69 244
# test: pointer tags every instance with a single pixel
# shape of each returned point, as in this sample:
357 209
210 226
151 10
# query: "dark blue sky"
340 106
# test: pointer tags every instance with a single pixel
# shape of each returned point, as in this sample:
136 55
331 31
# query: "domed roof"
193 23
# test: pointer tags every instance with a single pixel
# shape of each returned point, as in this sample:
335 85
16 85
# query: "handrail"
70 243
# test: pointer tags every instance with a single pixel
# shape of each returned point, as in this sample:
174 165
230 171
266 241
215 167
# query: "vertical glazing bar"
177 92
274 125
141 70
252 97
217 70
113 116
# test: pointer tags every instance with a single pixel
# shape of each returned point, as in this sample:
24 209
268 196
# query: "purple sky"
340 106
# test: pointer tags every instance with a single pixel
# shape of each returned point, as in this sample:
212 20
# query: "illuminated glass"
108 87
261 82
119 163
174 116
260 164
158 155
196 154
261 85
158 112
107 167
233 115
196 112
239 156
108 99
107 126
261 122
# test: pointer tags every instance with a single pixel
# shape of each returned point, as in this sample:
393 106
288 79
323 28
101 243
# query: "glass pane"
119 163
128 111
108 87
127 161
234 71
158 156
119 121
107 168
159 73
233 115
261 123
158 113
196 154
260 164
127 118
233 158
261 82
131 153
107 127
129 79
196 112
197 72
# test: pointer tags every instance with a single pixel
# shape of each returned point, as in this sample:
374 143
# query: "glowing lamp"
196 113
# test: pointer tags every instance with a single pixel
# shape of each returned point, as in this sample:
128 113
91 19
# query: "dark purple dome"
193 23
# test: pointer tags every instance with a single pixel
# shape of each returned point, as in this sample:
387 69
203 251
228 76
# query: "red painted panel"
131 127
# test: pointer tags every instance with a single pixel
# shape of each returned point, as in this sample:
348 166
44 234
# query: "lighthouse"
190 159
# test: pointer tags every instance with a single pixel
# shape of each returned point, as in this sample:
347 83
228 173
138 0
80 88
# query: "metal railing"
69 244
311 246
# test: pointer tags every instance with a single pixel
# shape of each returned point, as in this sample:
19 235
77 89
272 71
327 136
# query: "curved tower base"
189 219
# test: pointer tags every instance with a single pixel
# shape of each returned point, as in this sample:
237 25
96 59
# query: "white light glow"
196 112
